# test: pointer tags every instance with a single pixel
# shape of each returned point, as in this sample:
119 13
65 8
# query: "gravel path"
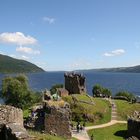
83 134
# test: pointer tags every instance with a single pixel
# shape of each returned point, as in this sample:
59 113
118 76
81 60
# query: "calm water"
114 81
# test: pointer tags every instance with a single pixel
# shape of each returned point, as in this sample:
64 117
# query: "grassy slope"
124 108
114 132
40 136
101 106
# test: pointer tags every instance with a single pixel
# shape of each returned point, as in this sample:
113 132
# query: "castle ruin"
133 125
75 83
11 124
57 121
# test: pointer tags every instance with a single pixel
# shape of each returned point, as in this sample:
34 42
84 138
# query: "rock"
133 125
11 124
10 114
57 122
132 138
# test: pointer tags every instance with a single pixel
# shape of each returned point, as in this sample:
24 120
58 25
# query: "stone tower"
75 83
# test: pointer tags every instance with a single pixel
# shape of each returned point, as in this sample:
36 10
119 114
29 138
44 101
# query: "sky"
71 34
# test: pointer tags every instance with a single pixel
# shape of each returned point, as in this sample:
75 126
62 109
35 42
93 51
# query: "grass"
40 136
26 113
114 132
56 103
125 108
100 110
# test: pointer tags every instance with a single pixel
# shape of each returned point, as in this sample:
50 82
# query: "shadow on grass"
121 133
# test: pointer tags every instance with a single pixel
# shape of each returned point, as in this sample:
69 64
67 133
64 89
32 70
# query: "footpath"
82 135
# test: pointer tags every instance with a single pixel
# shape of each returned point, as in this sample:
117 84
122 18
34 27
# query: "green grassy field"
114 132
125 108
100 110
40 136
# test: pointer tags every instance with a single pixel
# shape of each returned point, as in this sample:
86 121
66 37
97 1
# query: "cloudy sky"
71 34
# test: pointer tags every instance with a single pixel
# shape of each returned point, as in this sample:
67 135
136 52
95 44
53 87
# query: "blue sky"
71 34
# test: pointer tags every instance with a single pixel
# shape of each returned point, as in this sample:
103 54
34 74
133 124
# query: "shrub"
99 91
128 96
54 88
16 92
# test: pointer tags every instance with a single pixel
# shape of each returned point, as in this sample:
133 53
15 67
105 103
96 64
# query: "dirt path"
83 134
112 122
114 110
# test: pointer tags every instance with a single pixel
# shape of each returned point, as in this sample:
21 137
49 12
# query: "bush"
54 88
128 96
16 92
99 91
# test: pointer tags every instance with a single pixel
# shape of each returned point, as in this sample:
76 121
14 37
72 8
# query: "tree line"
99 91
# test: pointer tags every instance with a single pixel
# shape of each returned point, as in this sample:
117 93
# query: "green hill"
134 69
12 65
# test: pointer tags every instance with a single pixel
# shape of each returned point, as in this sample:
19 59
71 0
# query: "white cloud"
13 55
17 38
115 53
25 57
49 20
2 52
27 50
19 57
80 64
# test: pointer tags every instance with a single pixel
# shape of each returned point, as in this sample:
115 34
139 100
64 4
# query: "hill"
96 110
12 65
134 69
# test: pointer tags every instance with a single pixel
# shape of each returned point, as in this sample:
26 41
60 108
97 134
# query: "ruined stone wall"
133 125
11 124
58 122
134 128
75 83
10 114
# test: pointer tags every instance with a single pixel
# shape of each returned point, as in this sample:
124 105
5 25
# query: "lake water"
114 81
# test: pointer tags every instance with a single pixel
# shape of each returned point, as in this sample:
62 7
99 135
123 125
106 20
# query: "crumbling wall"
10 114
57 122
11 124
75 83
133 125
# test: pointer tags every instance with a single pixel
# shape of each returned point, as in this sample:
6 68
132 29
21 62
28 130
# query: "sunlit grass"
125 108
114 132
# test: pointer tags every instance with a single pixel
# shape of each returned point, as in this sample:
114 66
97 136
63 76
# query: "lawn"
100 109
114 132
40 136
125 108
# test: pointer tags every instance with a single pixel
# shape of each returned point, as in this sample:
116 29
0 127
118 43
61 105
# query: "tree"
129 96
16 92
106 92
54 88
97 90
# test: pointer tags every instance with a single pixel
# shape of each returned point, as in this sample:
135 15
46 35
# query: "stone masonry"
134 125
11 124
75 83
10 114
57 122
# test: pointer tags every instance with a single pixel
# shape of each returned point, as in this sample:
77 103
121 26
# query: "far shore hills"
133 69
13 65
